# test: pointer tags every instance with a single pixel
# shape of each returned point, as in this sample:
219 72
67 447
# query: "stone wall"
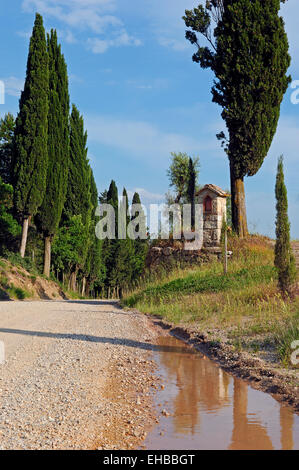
169 257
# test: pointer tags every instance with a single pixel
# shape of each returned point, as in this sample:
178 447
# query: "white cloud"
69 37
169 28
75 79
166 21
87 15
24 34
99 46
140 139
175 44
13 86
146 196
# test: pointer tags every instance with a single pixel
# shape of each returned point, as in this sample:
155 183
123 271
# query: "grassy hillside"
243 308
16 283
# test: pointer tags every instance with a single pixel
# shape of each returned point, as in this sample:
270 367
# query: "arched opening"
207 204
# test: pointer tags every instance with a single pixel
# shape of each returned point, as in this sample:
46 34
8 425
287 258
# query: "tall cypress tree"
94 264
124 254
31 136
110 246
191 190
140 245
249 57
284 258
77 196
77 203
112 198
49 214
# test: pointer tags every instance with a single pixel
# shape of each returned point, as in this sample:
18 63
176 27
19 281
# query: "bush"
284 339
17 292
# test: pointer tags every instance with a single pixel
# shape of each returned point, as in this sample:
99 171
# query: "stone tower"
213 201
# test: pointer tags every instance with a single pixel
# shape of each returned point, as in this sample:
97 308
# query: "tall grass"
284 338
243 305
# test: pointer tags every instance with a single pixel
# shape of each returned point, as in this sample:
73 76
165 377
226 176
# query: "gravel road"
77 375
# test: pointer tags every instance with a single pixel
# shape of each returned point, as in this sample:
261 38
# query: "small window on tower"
207 205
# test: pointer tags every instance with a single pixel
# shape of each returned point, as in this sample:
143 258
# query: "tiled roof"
214 188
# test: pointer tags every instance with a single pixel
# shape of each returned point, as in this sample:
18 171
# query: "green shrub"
284 338
17 292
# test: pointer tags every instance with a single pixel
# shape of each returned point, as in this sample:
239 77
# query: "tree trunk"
239 217
83 286
26 221
73 280
87 289
47 256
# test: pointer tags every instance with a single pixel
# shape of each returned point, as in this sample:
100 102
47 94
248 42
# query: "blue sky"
142 97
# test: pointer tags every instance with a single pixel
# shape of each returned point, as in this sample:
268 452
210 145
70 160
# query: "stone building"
213 201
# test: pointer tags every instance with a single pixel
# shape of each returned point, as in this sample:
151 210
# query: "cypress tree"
191 190
110 246
125 255
77 195
140 245
7 129
58 147
125 197
112 198
31 136
284 258
77 201
249 57
94 265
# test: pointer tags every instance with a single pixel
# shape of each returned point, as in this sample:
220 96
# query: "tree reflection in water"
197 389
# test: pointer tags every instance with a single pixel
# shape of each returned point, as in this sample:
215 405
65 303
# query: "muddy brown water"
211 409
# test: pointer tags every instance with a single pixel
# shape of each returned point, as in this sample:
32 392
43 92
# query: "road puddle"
210 409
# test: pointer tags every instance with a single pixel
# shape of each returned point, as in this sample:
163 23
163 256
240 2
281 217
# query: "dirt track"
77 375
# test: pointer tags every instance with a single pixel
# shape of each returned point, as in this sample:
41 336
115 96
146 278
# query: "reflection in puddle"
211 409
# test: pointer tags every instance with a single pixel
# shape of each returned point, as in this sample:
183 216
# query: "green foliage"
9 228
50 212
192 176
179 175
110 246
205 283
248 53
94 268
112 198
77 197
284 258
249 56
8 290
7 128
285 337
16 260
68 246
229 210
47 146
141 246
17 292
31 136
124 259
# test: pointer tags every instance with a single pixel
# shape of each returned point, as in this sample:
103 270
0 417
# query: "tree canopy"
248 53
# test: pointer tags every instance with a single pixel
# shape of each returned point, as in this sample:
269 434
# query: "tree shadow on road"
102 340
114 303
